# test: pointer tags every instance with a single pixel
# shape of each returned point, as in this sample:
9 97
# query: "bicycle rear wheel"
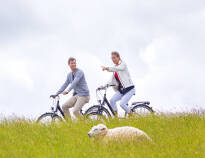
49 118
142 110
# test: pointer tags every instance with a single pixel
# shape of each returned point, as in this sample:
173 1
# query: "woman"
121 78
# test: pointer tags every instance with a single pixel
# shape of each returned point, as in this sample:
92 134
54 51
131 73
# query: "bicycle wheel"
97 113
93 108
142 109
49 118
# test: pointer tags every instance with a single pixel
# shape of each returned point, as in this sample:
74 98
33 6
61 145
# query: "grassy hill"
174 136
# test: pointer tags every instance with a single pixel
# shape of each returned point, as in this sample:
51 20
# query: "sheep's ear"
103 129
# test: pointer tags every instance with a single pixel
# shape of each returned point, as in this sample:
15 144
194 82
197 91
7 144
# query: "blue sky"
161 41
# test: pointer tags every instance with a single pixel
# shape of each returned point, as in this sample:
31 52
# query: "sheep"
118 134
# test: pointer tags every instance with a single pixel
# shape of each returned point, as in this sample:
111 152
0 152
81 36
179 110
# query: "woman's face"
115 59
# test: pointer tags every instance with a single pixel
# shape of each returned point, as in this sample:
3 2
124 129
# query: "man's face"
72 65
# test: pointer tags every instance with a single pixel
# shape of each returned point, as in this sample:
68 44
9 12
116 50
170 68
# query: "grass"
174 136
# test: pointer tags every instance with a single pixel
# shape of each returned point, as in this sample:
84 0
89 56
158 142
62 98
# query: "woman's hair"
116 54
71 59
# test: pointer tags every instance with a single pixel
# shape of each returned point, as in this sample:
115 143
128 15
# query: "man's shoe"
115 113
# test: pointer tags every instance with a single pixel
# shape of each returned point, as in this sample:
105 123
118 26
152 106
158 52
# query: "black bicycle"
100 110
94 112
54 116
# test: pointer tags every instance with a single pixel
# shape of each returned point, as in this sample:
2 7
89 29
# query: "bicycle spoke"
49 118
46 120
142 110
98 116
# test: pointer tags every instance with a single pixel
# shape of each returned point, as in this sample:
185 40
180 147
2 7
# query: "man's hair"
116 54
71 59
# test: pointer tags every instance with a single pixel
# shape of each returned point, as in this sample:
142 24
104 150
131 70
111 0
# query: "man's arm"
64 86
78 76
120 67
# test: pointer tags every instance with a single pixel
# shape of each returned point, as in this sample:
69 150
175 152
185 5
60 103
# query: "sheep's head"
97 131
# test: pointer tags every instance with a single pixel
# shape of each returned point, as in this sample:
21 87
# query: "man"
81 92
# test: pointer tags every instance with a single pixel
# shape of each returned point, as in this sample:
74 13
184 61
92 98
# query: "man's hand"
53 96
65 92
104 68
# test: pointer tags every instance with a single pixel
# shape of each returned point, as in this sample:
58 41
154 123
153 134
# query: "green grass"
174 136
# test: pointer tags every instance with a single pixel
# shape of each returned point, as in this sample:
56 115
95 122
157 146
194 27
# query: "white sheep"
119 133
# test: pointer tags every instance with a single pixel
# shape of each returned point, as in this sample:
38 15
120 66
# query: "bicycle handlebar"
106 86
54 96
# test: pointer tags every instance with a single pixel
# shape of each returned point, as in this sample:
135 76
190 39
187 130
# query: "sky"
162 42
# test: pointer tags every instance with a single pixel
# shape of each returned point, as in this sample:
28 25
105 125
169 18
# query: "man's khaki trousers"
77 103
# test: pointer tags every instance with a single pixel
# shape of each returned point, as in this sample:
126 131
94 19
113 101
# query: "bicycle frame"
58 107
105 101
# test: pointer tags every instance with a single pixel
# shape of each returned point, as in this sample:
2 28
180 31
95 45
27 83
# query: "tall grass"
174 136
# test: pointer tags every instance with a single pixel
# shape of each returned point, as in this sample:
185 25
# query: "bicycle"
138 108
53 116
96 110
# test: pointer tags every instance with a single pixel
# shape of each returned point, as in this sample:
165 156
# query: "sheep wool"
120 133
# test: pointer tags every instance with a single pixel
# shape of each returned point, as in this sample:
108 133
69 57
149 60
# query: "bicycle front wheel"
49 118
97 113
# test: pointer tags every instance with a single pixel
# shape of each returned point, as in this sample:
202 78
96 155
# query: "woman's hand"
104 68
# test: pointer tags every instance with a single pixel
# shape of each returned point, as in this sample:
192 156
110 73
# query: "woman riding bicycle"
125 87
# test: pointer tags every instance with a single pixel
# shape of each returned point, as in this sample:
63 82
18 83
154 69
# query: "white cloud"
16 70
161 41
174 79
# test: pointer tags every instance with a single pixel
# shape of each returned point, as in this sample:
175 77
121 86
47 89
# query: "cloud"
174 79
16 70
161 41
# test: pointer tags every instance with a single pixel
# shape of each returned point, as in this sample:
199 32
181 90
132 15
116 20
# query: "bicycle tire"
92 108
97 110
51 115
143 106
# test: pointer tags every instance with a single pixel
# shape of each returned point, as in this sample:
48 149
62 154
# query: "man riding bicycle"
125 87
81 92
